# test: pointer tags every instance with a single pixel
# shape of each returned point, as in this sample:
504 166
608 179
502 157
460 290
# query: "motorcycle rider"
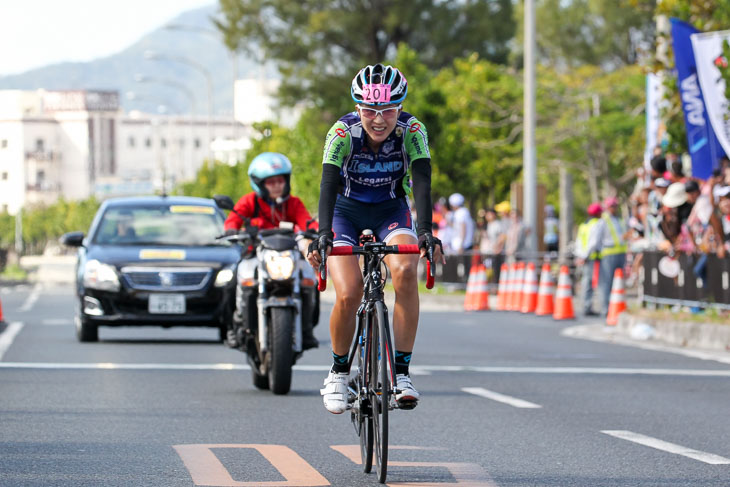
269 204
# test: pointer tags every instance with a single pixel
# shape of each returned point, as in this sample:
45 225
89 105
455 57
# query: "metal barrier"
686 289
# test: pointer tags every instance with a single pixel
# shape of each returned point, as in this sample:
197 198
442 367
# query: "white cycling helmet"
379 75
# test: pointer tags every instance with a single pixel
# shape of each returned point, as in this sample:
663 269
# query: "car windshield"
160 225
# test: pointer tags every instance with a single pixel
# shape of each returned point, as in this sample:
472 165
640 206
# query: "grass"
710 315
13 272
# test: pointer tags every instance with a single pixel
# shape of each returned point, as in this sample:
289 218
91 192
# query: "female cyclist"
370 157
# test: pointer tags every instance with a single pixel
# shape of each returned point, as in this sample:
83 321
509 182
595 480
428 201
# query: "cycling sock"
402 359
340 363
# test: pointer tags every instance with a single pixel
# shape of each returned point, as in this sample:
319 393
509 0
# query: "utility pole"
529 158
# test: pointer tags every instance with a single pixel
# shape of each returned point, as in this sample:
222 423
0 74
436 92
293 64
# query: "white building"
78 143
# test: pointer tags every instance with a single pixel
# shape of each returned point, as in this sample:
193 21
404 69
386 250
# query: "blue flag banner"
704 147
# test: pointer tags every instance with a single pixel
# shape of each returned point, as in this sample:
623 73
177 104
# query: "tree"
571 33
319 45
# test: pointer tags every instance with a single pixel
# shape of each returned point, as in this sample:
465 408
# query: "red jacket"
260 213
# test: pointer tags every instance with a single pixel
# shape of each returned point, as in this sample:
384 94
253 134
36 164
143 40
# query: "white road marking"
496 396
57 322
668 447
31 299
7 337
325 368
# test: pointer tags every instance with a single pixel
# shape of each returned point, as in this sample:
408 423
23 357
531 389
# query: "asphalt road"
507 401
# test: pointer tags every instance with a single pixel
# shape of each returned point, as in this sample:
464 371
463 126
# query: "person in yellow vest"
586 257
611 232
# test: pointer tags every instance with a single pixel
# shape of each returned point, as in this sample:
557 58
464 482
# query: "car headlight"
224 276
100 276
279 265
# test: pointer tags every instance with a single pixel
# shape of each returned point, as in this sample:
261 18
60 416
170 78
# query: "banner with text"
704 148
709 57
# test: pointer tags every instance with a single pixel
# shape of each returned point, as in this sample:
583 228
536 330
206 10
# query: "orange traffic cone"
518 283
617 303
2 319
529 290
510 287
564 296
545 292
469 298
502 288
479 294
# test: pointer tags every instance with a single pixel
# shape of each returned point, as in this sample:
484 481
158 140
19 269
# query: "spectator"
462 238
658 166
586 257
724 207
677 172
492 242
550 237
516 236
675 212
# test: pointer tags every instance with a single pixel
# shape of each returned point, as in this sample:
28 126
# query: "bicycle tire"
381 389
365 417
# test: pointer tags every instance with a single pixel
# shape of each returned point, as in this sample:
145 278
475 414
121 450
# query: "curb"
707 336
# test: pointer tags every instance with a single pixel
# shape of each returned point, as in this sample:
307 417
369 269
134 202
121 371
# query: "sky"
35 33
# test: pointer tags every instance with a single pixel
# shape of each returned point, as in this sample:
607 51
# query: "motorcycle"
275 297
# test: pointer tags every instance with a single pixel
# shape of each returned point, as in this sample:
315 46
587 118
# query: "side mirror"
223 202
72 239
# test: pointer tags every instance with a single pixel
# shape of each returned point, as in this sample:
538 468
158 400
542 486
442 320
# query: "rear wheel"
86 331
281 352
260 381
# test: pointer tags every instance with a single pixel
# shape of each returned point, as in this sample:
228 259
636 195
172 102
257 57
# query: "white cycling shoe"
335 392
405 394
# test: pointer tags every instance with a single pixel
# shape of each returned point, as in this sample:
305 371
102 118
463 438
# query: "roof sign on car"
208 210
162 254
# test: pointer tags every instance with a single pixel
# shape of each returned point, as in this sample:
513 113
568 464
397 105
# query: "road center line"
668 447
31 299
7 337
496 396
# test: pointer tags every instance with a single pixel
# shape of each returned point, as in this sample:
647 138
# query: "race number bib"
376 93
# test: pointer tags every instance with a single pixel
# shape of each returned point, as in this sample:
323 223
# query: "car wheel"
85 331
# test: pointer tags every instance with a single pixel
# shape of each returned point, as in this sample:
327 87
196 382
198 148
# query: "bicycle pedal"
407 404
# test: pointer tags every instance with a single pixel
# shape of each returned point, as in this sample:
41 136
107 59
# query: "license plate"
171 304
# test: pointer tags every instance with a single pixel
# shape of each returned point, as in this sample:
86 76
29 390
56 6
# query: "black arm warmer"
421 174
328 189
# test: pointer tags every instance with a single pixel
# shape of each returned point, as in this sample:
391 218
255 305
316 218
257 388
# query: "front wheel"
281 350
380 388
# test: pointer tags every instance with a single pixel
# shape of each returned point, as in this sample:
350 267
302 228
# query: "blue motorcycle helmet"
266 165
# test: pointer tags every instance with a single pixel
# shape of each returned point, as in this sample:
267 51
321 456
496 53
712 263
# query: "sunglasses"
386 113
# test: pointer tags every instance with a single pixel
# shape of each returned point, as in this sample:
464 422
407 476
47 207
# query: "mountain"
118 71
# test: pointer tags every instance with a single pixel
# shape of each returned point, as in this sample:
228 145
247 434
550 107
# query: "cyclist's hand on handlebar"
323 242
427 241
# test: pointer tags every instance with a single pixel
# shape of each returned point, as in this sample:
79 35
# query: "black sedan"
153 261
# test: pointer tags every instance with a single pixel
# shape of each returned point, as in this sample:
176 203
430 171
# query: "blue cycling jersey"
375 177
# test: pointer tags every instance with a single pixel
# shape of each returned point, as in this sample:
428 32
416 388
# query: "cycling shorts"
386 219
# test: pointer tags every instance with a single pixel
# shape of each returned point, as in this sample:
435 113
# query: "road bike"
372 382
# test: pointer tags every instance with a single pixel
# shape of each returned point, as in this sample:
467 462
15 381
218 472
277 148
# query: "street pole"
566 213
529 160
19 231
